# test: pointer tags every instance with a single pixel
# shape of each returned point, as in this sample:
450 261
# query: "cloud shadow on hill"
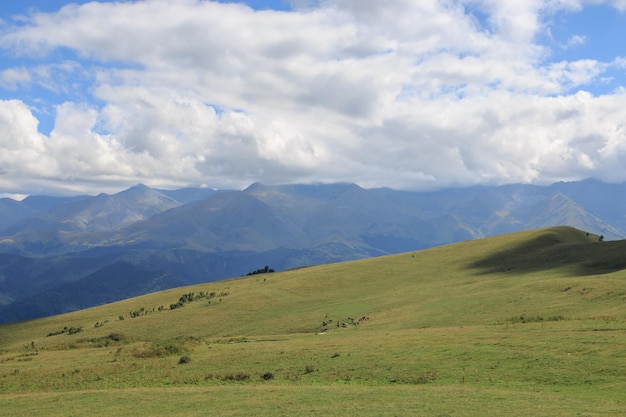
550 251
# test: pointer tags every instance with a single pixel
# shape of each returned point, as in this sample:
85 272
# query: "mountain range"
59 254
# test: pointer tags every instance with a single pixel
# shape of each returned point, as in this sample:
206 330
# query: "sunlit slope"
547 274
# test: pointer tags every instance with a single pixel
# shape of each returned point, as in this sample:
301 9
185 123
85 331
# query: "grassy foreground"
532 323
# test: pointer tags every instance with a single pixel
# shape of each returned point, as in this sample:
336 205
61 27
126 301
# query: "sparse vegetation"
523 318
237 377
189 297
66 330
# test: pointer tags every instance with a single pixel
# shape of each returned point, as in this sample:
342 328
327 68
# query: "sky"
413 95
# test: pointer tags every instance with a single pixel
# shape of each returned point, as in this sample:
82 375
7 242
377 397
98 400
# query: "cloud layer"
406 94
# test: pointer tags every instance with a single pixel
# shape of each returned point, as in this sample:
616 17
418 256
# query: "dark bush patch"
111 339
116 337
266 270
66 330
238 377
534 319
184 359
268 376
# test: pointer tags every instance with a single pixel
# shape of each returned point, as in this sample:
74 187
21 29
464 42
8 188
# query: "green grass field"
528 324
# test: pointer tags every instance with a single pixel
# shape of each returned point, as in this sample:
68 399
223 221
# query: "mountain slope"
12 211
506 325
553 271
230 233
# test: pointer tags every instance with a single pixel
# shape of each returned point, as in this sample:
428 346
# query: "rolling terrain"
530 323
54 246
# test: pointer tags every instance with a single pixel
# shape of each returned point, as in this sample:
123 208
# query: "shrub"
177 305
265 270
66 330
116 337
268 376
239 377
309 369
184 359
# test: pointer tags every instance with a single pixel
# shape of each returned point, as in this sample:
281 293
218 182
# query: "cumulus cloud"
400 93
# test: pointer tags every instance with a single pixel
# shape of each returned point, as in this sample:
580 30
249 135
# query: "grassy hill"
532 323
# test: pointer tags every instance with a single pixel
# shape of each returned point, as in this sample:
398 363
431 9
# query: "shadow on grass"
551 251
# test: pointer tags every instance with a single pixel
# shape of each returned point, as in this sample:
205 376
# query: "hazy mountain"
196 235
12 211
606 201
41 203
100 213
189 195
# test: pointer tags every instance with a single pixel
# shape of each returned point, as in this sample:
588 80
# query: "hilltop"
502 324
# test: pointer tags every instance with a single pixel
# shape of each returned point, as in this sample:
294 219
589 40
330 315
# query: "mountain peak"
255 186
139 187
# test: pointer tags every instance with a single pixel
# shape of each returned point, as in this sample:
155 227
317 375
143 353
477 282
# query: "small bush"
177 305
268 376
239 377
184 359
116 337
309 369
139 312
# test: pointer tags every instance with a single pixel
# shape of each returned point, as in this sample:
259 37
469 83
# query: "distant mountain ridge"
50 246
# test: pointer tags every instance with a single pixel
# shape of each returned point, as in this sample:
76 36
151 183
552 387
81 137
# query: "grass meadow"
532 323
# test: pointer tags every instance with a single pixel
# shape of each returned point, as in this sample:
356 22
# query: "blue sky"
601 30
98 96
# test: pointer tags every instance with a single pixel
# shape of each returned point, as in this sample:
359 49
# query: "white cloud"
400 93
576 40
20 142
13 78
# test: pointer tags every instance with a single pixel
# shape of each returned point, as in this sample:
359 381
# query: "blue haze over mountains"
59 254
